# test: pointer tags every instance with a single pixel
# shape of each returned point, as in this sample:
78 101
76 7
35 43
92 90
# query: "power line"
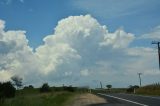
158 45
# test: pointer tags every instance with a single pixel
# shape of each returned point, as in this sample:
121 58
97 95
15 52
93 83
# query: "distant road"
121 99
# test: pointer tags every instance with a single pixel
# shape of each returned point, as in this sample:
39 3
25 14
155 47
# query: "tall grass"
152 89
32 97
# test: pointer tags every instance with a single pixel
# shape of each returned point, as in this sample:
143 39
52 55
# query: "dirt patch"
87 99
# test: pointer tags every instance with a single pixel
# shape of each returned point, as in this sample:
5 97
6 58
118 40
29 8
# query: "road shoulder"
87 99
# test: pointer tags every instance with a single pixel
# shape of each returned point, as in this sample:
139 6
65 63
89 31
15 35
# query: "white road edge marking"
123 99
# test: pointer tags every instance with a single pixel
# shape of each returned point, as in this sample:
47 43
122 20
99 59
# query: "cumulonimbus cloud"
79 51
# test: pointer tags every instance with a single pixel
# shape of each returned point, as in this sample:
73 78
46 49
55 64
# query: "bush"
7 90
45 88
30 86
132 88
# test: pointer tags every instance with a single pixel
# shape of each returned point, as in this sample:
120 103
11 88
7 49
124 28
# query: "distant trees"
29 87
7 90
17 81
45 88
69 88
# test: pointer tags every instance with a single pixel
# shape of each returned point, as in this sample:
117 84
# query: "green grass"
34 98
112 90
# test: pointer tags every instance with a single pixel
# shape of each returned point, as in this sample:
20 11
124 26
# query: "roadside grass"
32 97
112 90
153 89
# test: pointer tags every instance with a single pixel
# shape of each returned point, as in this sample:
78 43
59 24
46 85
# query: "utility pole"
139 74
158 44
101 84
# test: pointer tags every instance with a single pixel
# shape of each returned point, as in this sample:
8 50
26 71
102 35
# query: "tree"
17 81
132 89
45 88
109 86
31 86
7 90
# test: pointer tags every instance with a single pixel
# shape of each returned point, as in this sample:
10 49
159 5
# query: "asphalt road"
121 99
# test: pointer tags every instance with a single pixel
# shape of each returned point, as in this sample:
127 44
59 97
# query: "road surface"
121 99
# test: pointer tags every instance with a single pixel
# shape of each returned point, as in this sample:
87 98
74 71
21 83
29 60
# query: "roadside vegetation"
13 95
153 89
35 98
44 96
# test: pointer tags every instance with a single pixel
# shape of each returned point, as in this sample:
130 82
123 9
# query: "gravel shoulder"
87 100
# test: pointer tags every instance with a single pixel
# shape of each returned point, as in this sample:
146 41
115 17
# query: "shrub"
45 88
132 88
7 90
30 86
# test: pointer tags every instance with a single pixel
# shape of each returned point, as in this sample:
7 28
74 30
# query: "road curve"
121 99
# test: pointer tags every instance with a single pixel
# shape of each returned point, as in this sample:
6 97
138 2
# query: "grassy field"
32 97
153 89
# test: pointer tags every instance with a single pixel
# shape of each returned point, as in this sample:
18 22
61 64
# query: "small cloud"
22 1
84 72
154 34
2 24
68 73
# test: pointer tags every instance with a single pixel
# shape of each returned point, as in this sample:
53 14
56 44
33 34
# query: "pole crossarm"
155 42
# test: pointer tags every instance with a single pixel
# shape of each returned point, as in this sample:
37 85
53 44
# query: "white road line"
123 99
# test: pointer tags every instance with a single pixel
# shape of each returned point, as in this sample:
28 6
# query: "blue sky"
39 17
79 42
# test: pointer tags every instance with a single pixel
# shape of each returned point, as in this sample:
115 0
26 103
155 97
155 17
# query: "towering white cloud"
14 53
79 51
119 39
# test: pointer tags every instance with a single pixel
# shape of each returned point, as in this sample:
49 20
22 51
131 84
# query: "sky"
79 42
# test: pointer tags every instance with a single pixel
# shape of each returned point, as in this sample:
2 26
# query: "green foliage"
109 86
7 90
32 97
131 88
45 88
70 88
30 86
